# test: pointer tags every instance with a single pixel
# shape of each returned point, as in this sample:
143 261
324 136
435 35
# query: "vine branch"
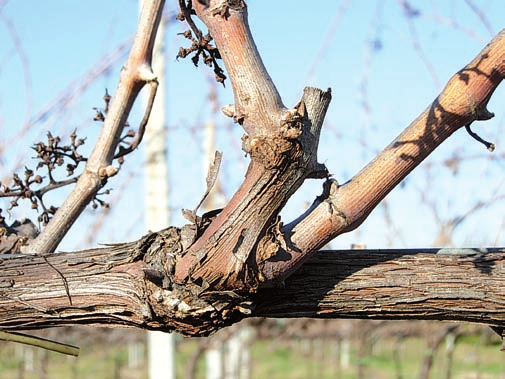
342 208
136 73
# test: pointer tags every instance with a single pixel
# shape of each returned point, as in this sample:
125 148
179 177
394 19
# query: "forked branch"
228 252
214 272
258 246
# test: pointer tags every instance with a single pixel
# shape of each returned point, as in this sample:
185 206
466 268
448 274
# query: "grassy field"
472 357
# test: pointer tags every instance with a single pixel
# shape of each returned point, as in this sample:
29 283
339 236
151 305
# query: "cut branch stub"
282 144
230 252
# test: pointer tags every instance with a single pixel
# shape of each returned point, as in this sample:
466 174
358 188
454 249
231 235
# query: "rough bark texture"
343 208
282 144
436 284
230 252
242 261
121 285
246 246
124 285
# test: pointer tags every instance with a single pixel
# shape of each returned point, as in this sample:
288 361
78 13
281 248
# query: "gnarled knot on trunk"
192 308
272 152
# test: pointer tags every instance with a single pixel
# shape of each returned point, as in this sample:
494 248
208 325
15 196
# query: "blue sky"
368 52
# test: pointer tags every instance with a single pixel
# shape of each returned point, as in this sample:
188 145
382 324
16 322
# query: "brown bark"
258 106
216 271
124 286
343 208
282 144
432 284
224 255
121 285
246 246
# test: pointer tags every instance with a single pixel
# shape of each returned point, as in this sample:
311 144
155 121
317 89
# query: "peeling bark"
128 285
121 285
222 268
424 284
246 246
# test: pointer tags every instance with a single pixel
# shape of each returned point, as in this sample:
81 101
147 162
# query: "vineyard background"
384 61
287 349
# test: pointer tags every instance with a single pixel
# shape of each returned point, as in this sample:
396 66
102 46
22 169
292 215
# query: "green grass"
472 358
